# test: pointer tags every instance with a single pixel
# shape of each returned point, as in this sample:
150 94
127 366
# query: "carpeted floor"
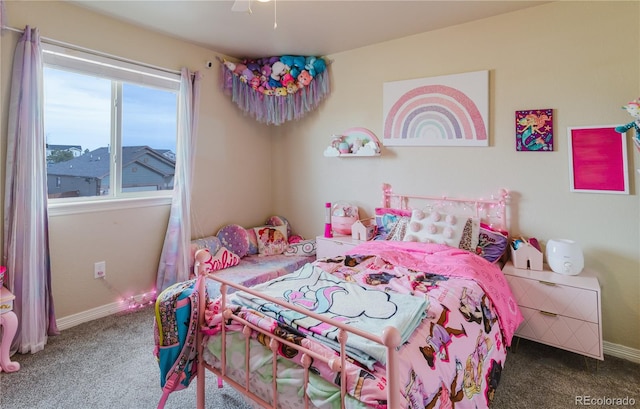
109 363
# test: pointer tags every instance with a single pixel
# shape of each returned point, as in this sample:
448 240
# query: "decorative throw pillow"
279 221
492 243
272 240
386 218
398 229
235 238
470 233
222 259
435 227
301 248
211 243
253 242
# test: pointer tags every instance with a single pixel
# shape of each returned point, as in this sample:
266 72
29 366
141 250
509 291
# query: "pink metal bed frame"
492 211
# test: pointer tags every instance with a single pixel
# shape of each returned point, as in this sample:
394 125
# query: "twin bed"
399 322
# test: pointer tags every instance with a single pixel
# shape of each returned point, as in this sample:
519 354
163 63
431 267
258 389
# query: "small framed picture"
534 130
598 160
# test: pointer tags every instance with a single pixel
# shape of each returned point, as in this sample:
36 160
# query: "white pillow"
442 228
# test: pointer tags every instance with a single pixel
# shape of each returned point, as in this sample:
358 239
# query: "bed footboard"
390 338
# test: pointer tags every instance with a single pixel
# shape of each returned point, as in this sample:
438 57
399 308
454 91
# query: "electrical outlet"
100 269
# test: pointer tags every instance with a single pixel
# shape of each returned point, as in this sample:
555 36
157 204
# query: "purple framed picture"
534 130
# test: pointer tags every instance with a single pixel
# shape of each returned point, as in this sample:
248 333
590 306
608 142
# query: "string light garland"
132 302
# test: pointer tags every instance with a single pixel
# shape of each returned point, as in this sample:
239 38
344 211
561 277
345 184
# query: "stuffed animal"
633 108
287 79
230 66
304 78
239 69
277 70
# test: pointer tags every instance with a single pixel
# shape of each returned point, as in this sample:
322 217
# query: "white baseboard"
98 312
621 351
609 348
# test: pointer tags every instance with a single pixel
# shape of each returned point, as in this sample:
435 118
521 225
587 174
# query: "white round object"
565 256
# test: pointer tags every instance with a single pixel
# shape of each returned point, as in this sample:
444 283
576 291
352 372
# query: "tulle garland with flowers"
272 108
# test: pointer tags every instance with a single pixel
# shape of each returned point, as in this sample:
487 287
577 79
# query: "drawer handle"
5 307
548 314
547 283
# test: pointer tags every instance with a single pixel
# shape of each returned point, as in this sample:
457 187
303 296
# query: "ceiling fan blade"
242 6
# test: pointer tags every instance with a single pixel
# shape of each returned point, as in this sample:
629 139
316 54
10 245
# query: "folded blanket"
367 309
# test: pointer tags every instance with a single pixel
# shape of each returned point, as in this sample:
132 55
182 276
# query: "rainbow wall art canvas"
449 110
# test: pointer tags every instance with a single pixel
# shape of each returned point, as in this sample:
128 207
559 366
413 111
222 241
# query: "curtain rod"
94 52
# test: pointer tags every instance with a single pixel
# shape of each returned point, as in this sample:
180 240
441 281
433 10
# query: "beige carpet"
109 363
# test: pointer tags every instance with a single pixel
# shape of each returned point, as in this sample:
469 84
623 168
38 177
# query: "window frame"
119 71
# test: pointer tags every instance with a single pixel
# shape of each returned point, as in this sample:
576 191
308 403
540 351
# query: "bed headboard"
492 211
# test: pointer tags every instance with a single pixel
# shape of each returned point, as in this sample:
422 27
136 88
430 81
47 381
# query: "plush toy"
247 75
633 108
277 70
253 66
287 79
239 69
230 66
357 144
266 70
273 83
304 78
292 87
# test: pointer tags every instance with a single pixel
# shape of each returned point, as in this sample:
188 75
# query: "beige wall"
580 58
130 240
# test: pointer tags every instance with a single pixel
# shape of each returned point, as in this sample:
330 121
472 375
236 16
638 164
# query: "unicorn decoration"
633 108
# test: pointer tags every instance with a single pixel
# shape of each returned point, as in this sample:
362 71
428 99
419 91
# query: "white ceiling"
304 27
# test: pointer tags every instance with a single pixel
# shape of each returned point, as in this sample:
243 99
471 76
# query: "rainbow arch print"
450 110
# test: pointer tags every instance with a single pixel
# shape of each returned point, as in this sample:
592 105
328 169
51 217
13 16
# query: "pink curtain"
26 232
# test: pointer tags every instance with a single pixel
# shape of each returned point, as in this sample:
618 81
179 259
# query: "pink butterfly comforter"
455 354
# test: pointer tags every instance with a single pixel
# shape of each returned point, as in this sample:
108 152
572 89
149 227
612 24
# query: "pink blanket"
449 261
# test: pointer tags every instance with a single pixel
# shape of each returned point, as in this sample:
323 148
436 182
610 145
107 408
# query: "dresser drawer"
554 298
572 334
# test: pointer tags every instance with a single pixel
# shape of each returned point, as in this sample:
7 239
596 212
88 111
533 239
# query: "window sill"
69 208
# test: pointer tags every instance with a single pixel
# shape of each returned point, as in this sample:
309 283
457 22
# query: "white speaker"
564 256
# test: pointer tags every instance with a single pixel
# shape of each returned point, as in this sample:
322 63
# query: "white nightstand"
559 310
334 246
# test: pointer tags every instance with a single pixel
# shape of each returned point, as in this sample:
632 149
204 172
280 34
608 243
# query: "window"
110 127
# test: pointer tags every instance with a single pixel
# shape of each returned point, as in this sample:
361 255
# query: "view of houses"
74 173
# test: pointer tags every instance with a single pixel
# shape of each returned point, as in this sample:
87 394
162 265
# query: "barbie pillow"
222 259
272 240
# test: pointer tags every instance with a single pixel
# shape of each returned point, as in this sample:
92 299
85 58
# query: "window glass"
110 127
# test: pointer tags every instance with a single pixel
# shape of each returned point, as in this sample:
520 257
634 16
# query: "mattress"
257 269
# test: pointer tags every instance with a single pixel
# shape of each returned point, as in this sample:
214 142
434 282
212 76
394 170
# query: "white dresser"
334 246
559 310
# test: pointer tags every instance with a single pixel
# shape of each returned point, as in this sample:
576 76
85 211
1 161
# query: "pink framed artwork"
534 130
598 160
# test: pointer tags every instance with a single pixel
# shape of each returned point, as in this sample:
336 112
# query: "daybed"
395 323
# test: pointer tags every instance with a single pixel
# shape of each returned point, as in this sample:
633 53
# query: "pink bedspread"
455 356
452 262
